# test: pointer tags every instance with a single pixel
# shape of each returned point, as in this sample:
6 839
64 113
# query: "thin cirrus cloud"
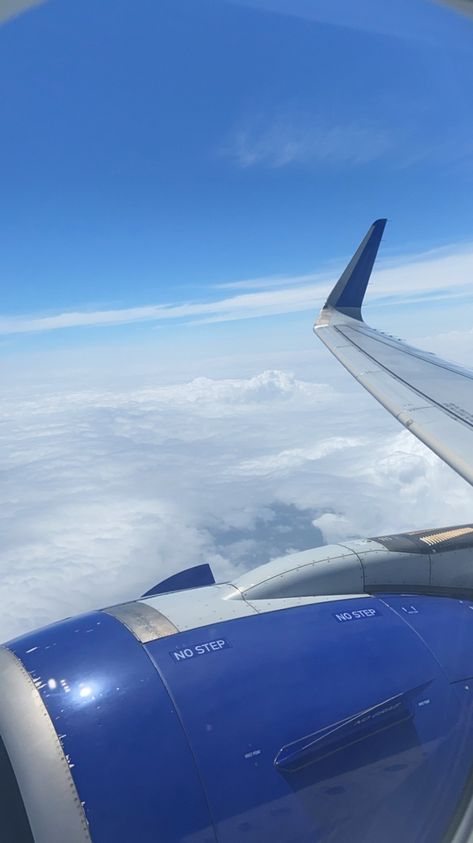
444 273
272 281
298 140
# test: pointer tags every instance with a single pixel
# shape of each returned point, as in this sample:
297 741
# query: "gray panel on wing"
431 397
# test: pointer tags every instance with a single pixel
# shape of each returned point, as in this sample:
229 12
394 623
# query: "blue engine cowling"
334 721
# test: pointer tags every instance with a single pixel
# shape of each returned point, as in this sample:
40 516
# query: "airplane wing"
431 397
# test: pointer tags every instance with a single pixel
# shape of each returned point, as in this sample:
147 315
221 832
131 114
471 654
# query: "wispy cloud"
445 273
301 140
271 281
12 8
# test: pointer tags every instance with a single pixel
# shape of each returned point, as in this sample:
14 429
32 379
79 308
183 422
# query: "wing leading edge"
431 397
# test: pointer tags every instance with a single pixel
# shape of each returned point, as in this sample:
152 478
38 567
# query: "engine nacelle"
266 709
97 746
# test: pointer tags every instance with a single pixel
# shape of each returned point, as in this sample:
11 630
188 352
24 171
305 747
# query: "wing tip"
349 291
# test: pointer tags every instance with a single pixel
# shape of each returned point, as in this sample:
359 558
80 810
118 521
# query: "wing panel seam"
415 389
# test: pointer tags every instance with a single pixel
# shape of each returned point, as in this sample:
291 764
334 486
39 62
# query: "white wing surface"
431 397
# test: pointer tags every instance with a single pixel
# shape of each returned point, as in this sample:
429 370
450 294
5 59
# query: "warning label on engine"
202 649
356 615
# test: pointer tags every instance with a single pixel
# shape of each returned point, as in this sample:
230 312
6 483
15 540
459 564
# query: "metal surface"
419 541
333 569
40 765
336 737
195 577
126 748
430 561
431 397
464 831
278 604
389 568
199 607
446 626
278 679
350 289
303 718
145 622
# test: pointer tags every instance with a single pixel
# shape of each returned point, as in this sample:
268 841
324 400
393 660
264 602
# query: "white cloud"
271 281
105 492
291 458
108 489
300 140
443 273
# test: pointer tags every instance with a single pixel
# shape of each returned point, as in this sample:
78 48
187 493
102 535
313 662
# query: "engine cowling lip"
48 790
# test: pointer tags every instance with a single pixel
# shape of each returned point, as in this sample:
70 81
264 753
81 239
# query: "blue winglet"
190 578
349 291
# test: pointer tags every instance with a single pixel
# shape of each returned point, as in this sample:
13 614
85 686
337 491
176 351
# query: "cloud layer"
105 492
442 273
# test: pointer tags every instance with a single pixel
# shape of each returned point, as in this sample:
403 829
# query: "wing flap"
431 397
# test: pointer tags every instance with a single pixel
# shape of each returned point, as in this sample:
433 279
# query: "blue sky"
153 152
181 184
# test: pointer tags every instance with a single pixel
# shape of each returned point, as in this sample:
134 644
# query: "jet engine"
325 696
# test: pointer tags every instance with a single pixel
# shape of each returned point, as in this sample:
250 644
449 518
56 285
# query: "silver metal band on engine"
146 623
49 794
